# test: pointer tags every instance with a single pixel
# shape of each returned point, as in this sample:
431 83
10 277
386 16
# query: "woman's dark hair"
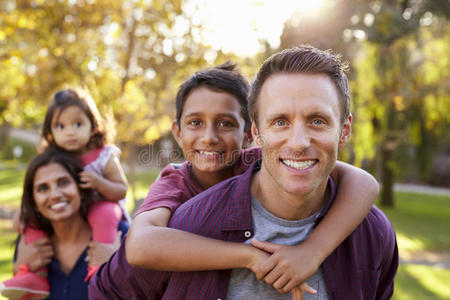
222 78
102 129
29 215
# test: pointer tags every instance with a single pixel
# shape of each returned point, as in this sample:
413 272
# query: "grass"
421 282
421 223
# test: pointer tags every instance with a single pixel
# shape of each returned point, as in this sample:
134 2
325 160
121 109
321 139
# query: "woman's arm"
170 249
357 191
112 185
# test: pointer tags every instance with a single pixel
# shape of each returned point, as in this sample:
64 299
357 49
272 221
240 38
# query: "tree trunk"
132 171
387 198
4 137
387 164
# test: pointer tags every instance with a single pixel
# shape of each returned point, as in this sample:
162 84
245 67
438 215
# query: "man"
299 105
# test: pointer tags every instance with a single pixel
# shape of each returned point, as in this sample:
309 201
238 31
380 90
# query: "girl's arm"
357 191
170 249
112 185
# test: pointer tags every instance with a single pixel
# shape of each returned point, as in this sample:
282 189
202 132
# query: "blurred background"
133 54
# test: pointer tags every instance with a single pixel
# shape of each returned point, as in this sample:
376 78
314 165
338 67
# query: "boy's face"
211 131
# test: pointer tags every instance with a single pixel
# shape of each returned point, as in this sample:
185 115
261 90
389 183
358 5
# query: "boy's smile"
211 133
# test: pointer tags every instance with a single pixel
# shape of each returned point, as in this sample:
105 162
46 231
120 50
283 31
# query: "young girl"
73 123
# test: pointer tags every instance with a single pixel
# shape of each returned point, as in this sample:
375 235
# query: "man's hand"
90 180
98 252
37 254
287 268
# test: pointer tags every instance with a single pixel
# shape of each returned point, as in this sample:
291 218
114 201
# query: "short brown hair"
222 78
302 59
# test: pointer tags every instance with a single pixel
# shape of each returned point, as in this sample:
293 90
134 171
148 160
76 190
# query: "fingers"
306 288
297 294
265 267
280 283
266 246
42 242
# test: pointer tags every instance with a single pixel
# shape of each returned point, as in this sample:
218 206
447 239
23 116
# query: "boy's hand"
90 180
37 254
287 268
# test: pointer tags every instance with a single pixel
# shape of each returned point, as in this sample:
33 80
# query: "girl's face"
56 193
71 129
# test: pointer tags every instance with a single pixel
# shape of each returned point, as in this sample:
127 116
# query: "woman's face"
56 193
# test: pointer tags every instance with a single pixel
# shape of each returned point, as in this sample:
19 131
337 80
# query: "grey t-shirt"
243 283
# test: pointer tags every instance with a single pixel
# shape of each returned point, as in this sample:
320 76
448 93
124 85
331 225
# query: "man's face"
299 130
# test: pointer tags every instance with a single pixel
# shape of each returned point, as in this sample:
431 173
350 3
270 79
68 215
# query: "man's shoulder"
209 204
378 218
377 227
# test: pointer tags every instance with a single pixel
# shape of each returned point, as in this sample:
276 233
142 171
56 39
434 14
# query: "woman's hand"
99 253
37 254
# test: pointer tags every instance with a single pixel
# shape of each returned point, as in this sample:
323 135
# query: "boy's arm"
112 185
168 249
289 266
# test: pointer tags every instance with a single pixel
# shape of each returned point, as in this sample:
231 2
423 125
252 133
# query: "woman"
53 201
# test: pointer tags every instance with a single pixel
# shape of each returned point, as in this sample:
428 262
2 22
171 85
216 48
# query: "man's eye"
318 122
194 123
280 123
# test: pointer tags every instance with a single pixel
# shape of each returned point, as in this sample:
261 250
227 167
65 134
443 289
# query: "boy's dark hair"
102 129
222 78
29 215
303 59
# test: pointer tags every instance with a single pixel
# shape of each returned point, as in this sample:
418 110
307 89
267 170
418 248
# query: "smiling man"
299 105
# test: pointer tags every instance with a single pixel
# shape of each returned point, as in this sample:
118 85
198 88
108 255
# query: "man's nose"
300 138
209 135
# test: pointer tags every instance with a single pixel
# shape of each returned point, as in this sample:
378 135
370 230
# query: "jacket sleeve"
389 263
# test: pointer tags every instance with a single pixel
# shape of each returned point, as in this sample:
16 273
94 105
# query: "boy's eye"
226 124
194 123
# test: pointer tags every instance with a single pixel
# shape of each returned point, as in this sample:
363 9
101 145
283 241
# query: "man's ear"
176 132
255 135
346 132
248 139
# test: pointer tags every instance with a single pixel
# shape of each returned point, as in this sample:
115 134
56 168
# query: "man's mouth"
299 165
209 152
